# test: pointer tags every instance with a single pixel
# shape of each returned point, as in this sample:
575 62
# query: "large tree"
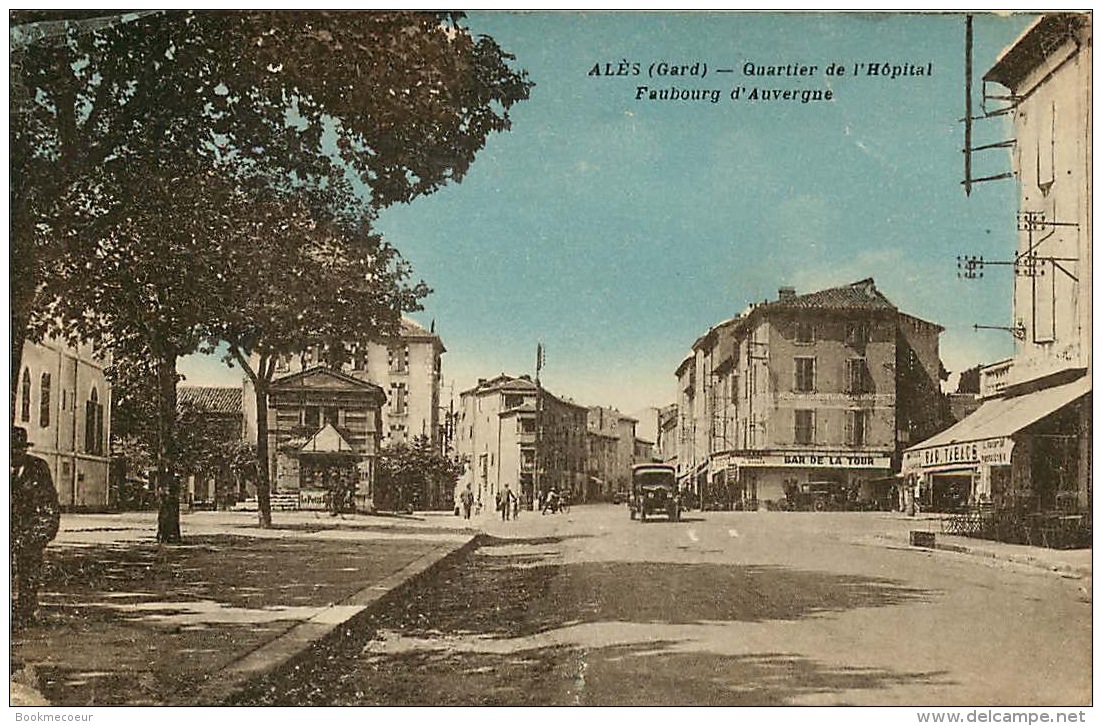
116 118
146 292
303 284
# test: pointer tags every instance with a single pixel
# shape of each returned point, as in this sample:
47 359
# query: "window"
857 376
857 334
93 424
856 422
399 398
311 418
359 358
44 401
526 425
282 363
25 398
803 333
332 415
805 375
805 427
398 358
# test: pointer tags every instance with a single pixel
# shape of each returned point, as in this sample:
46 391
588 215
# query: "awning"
984 436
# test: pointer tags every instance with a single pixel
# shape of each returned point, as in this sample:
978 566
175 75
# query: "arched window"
93 424
44 401
25 400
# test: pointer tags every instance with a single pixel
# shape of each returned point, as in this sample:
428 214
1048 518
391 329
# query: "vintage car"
654 491
818 496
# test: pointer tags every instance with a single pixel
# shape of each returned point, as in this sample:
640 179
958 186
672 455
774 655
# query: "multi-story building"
667 434
512 431
826 386
324 433
619 429
643 451
64 401
407 367
601 451
399 376
1028 447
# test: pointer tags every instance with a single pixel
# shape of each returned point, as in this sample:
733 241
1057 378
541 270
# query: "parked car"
620 497
819 496
654 491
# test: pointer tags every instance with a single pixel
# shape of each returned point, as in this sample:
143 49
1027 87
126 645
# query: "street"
722 608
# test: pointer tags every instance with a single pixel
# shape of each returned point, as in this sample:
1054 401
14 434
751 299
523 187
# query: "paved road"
720 609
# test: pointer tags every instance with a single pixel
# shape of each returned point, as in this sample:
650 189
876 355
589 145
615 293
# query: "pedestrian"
466 499
516 506
508 498
35 517
551 502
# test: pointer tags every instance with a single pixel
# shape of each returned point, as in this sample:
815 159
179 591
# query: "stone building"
384 392
614 467
667 434
407 368
64 401
1028 447
324 432
512 431
825 387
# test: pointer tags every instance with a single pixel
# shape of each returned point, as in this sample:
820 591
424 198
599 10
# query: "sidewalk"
125 621
1069 563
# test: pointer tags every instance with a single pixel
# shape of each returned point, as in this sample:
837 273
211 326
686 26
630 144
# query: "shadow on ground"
142 623
523 594
513 589
633 675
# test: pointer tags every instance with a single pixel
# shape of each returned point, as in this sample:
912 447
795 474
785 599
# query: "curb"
1064 570
225 683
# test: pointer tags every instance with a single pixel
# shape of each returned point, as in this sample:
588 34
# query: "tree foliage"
415 475
154 153
294 283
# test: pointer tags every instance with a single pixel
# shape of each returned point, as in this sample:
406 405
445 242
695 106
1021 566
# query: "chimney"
786 293
481 381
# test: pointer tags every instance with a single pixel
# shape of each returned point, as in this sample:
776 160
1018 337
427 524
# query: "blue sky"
618 230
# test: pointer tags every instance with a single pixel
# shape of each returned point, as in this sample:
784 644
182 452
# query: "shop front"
827 479
1021 453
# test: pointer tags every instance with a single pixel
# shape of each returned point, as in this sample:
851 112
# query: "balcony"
995 378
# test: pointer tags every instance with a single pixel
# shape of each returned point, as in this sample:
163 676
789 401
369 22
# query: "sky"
617 229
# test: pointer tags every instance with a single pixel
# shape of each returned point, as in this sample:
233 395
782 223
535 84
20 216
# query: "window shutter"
850 416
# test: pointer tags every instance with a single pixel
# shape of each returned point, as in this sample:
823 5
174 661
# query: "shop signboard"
962 455
312 500
817 459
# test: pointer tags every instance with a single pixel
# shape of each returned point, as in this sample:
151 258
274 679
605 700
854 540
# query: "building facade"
407 368
64 401
612 467
510 431
667 434
1028 447
383 392
825 387
324 434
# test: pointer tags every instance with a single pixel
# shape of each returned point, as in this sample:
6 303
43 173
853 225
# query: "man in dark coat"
35 516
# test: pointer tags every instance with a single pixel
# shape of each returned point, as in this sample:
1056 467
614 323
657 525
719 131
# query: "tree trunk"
263 474
168 485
